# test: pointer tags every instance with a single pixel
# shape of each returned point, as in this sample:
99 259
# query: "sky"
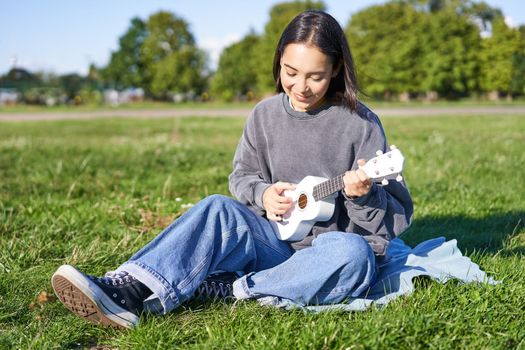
65 36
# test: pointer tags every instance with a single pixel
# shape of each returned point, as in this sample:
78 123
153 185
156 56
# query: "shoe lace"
113 278
214 290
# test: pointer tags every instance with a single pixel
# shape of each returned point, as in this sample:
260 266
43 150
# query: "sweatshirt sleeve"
246 182
386 211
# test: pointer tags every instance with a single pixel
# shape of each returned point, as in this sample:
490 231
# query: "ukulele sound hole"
303 200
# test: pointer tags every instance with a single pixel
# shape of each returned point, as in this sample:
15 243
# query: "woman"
314 126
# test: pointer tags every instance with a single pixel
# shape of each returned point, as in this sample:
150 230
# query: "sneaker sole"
84 298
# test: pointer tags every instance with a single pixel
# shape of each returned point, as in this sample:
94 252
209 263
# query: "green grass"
466 102
147 105
90 193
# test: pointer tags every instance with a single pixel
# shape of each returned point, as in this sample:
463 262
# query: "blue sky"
64 36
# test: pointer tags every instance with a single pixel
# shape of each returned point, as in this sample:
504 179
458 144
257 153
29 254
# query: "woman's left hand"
357 183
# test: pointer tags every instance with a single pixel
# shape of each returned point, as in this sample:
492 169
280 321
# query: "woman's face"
305 75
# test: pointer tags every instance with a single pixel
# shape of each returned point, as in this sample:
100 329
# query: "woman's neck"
319 103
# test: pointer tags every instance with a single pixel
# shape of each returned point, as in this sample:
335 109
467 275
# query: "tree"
71 84
386 45
280 15
518 59
502 60
237 71
127 66
19 79
158 55
417 46
171 57
450 54
179 73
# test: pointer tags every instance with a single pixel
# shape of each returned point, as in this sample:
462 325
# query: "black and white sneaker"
216 287
114 300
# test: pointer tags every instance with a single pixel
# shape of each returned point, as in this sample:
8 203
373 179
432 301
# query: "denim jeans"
222 234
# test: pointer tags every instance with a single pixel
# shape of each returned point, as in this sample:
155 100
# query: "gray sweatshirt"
281 144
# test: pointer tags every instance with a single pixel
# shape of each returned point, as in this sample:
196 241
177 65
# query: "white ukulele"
314 197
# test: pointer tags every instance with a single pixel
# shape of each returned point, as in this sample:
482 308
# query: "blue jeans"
221 234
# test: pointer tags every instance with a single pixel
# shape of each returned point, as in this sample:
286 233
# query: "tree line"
403 49
436 49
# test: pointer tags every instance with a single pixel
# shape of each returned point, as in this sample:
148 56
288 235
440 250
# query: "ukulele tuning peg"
379 152
399 178
384 182
393 147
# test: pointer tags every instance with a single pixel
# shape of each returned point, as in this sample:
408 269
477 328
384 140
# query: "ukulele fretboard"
324 189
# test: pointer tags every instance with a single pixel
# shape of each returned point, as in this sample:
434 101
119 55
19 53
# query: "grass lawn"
149 105
146 105
90 193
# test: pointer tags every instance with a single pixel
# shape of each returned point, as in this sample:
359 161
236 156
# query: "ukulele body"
305 211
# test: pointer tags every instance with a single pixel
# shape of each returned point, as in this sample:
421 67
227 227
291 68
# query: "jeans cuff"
240 288
164 298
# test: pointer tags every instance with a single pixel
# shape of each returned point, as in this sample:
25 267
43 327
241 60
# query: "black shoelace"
215 290
115 279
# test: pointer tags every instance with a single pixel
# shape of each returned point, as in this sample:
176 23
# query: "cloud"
215 45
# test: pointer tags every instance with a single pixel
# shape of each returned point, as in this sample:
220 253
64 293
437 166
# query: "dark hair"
321 30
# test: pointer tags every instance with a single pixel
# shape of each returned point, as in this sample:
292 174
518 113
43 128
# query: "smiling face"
305 76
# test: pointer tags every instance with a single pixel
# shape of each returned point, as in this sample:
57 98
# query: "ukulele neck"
327 188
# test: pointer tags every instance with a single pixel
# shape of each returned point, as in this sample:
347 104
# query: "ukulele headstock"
385 165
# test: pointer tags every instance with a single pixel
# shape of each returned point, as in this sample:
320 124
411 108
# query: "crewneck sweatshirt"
281 144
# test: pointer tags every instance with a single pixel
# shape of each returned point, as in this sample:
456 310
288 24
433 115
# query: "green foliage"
91 96
502 59
179 72
421 47
236 74
90 193
167 33
126 67
174 62
518 62
20 79
71 84
160 56
385 43
450 61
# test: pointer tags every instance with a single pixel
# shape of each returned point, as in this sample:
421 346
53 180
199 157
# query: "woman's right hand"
274 201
